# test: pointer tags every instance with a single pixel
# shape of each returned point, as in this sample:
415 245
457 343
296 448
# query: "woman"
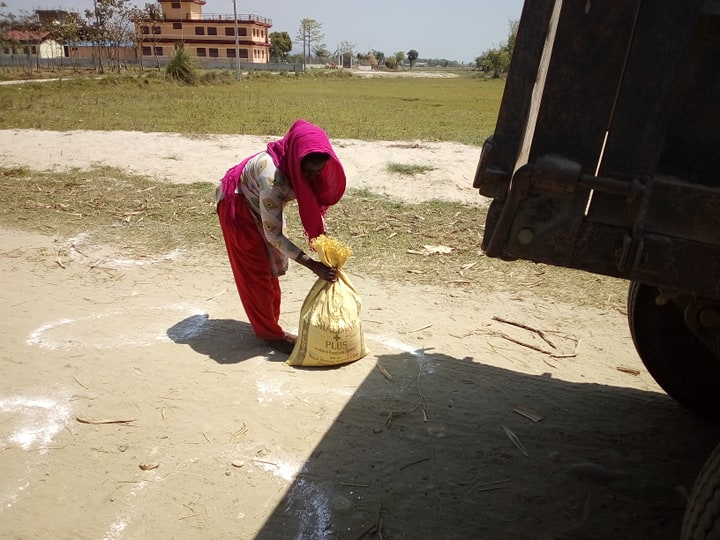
301 166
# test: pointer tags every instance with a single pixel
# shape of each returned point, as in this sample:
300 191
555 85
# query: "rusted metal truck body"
606 158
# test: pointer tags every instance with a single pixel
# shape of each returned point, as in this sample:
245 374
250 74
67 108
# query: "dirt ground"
135 402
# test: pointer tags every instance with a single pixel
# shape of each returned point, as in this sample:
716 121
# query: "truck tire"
702 514
675 358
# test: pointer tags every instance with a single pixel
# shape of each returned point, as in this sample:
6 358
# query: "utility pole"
237 43
306 46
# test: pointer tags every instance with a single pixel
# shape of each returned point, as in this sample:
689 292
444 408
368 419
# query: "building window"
199 30
201 51
157 30
229 31
231 53
175 5
177 26
242 31
158 51
145 30
146 51
212 31
214 53
243 53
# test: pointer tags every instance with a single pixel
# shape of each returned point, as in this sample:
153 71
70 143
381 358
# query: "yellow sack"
330 331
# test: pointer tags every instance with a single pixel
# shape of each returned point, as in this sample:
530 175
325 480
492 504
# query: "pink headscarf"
313 197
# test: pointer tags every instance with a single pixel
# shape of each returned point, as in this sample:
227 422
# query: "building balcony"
220 17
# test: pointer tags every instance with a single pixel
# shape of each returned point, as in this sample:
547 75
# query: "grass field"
460 109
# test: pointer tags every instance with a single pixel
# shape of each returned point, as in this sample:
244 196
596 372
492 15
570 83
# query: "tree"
280 45
68 33
120 30
498 58
399 57
309 33
139 20
153 15
96 31
110 28
512 36
321 51
379 56
412 56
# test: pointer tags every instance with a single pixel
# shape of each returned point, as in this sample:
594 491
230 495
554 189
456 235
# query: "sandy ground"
177 158
135 402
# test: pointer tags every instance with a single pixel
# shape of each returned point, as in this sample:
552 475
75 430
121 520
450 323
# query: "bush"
181 66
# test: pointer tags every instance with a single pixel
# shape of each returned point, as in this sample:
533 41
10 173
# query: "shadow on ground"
226 341
421 452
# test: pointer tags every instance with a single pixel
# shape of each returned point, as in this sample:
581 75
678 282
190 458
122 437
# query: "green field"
461 109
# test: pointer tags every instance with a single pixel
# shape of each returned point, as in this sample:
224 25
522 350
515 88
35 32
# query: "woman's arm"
328 273
271 199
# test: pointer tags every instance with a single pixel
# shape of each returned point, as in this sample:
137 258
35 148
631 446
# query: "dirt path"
135 403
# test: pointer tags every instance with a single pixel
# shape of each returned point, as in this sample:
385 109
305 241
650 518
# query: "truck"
606 158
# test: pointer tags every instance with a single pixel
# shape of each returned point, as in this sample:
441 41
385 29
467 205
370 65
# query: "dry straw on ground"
433 242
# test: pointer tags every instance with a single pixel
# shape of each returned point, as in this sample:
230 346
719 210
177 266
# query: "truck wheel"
702 515
675 358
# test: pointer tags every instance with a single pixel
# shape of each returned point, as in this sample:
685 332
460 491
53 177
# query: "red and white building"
207 35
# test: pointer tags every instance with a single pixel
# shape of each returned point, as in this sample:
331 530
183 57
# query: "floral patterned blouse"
267 191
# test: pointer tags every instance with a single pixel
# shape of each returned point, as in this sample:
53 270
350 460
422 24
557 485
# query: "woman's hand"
328 273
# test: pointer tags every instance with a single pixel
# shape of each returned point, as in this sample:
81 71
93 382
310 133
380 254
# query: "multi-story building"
207 36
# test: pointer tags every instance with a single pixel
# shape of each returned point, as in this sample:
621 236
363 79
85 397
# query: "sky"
458 30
